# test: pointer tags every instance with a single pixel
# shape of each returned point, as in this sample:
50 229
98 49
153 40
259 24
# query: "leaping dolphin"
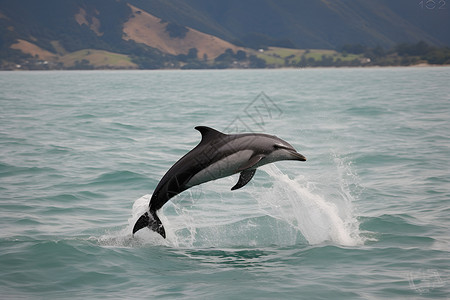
217 155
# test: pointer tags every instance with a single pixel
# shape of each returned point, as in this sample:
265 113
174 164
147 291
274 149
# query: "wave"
126 126
119 177
290 212
12 170
367 111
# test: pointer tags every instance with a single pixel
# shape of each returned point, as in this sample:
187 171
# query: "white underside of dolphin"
227 166
218 155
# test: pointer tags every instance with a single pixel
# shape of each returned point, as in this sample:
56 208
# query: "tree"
353 48
176 31
421 48
241 55
256 62
226 57
192 53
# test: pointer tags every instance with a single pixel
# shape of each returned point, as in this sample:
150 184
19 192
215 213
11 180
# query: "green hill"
155 34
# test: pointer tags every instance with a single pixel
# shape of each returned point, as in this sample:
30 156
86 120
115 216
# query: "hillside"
137 39
154 34
306 24
147 29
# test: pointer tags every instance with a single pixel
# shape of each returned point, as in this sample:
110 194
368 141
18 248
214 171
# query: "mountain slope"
50 31
170 33
147 29
311 24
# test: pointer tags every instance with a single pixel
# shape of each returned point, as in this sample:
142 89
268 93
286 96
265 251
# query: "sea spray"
124 237
288 212
299 203
182 220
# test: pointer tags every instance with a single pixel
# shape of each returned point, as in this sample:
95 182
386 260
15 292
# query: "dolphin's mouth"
298 156
292 151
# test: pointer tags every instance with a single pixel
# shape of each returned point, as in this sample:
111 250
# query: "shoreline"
421 65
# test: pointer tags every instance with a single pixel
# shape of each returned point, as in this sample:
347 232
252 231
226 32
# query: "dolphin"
217 155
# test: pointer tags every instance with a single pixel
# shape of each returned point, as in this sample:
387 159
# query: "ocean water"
367 216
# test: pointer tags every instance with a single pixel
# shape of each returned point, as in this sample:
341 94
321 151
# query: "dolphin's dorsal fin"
208 133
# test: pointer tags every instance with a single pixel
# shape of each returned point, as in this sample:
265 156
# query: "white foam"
297 202
291 211
124 237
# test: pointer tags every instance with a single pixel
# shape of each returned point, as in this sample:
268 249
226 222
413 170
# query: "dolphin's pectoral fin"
152 222
246 172
245 177
251 162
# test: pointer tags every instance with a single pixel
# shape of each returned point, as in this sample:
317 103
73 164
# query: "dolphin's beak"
297 156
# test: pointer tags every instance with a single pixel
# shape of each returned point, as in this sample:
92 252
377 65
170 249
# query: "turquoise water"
367 216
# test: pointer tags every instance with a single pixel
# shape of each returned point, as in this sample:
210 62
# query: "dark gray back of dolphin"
217 155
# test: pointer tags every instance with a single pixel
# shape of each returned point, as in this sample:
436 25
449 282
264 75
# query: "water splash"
299 203
124 238
289 212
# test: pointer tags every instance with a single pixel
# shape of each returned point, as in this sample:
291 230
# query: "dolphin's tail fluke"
150 220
